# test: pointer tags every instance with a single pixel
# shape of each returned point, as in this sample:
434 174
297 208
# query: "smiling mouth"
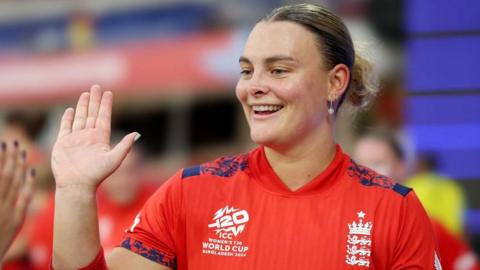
266 109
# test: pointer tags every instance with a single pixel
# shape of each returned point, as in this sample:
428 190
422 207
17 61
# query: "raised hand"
82 155
16 188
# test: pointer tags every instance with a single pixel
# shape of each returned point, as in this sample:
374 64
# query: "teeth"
266 108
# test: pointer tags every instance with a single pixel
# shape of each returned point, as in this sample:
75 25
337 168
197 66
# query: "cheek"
241 91
315 95
295 93
289 91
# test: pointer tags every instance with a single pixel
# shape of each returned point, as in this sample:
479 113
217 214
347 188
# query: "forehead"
281 38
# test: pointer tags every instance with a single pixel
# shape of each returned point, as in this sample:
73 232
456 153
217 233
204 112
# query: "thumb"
120 151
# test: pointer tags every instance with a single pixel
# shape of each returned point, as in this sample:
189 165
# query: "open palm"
82 154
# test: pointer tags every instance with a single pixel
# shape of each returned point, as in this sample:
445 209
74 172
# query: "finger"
18 177
93 105
104 118
8 169
120 151
25 195
66 123
81 112
3 153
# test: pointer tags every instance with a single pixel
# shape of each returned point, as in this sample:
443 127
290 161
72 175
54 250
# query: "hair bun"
364 83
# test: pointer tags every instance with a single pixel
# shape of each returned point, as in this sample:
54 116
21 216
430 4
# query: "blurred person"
442 197
16 188
295 202
120 197
380 150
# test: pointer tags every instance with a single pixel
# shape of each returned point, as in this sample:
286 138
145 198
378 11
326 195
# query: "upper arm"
415 246
121 258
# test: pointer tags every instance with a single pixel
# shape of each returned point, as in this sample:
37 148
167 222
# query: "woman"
295 202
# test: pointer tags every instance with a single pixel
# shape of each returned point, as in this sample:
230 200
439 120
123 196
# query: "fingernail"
4 146
137 137
23 154
15 143
33 172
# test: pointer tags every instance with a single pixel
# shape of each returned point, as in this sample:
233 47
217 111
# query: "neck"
299 164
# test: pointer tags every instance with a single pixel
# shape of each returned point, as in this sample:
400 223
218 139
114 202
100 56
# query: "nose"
258 91
258 87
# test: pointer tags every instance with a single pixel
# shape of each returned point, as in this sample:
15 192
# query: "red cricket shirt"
235 213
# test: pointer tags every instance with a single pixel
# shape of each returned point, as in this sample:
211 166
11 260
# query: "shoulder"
225 167
368 178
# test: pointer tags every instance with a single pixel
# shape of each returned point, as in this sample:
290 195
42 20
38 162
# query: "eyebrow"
270 59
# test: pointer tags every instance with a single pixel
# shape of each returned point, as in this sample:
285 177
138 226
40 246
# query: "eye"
278 71
245 72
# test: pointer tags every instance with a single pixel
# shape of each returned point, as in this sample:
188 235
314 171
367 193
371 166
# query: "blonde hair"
363 86
336 45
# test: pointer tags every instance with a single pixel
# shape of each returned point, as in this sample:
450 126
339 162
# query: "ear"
338 78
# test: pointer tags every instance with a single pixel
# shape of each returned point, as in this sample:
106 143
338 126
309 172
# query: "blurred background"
173 66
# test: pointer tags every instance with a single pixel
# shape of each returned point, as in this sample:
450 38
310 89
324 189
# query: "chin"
261 138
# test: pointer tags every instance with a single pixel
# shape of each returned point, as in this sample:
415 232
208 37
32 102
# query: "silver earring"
331 110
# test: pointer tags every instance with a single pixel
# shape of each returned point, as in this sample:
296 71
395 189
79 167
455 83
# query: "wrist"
76 190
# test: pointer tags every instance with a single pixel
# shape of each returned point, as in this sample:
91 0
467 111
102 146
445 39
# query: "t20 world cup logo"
229 222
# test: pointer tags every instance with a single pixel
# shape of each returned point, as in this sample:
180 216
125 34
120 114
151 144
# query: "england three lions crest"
359 241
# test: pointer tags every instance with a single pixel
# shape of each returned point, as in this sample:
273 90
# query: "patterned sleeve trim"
150 253
223 167
369 178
